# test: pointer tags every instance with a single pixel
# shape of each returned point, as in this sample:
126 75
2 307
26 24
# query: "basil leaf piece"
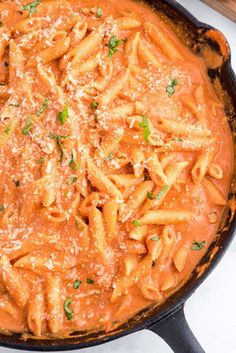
26 129
68 311
64 114
99 12
198 245
58 139
170 89
113 44
90 281
146 130
77 283
31 7
72 180
44 106
135 223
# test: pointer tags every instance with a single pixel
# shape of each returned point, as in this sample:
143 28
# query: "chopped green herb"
155 238
146 130
26 129
150 195
79 226
94 105
2 208
72 180
31 7
162 192
64 114
44 106
135 223
15 105
40 160
8 129
77 283
68 310
99 12
113 44
58 139
198 245
179 139
73 163
90 281
109 157
17 183
170 89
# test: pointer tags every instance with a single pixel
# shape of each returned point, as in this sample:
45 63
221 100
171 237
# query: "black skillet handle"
175 330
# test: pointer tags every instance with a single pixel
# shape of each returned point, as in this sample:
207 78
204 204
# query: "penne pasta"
54 303
100 181
13 282
110 217
97 231
136 199
201 166
215 195
166 217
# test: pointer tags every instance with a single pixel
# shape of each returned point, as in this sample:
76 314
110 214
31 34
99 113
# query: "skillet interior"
212 46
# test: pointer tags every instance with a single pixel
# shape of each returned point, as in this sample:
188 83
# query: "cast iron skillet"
168 320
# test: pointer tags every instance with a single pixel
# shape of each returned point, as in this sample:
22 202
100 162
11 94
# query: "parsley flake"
99 12
72 180
135 223
90 281
26 129
44 106
170 89
64 114
113 44
146 130
77 283
31 7
162 192
2 208
68 311
198 245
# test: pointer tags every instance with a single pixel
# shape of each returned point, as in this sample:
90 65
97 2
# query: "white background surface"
211 311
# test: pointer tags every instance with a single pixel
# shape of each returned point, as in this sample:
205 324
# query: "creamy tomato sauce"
115 163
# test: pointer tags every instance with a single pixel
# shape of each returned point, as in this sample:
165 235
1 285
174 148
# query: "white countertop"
211 310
